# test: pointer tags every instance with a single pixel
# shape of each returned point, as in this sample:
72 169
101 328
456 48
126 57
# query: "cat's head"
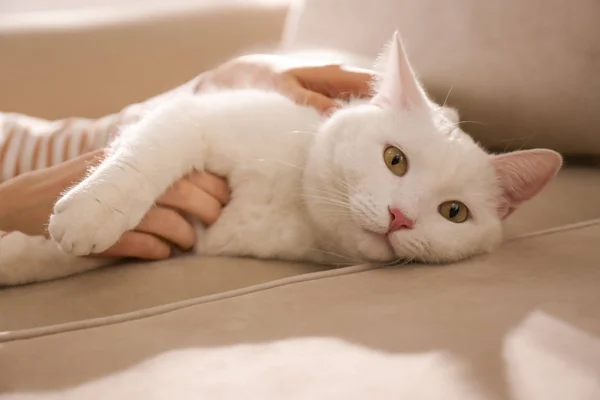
397 178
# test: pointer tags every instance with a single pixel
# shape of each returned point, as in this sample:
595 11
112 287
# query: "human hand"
317 85
27 200
199 194
26 203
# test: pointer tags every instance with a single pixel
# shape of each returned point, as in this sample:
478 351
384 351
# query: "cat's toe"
83 225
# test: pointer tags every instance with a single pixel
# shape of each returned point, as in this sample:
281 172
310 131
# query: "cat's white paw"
83 223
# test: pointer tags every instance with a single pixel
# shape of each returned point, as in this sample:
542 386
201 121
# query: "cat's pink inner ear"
522 175
399 87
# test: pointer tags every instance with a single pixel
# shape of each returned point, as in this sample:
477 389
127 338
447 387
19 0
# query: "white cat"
388 180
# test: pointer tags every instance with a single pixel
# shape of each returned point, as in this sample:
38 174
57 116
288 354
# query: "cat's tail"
27 259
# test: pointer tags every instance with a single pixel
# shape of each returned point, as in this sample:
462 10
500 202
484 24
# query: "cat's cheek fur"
347 164
443 241
374 248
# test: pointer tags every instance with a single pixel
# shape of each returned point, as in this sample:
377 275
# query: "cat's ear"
399 87
522 175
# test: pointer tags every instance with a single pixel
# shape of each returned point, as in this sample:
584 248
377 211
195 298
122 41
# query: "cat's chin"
376 247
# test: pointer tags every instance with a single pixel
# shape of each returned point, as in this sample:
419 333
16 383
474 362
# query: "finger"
75 169
336 80
356 81
211 184
92 158
307 97
138 245
189 198
169 225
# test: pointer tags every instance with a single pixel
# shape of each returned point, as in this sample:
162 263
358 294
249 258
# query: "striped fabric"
29 143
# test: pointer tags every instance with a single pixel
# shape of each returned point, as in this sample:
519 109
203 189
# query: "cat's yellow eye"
395 160
454 211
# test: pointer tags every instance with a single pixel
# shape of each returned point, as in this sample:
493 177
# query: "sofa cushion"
93 62
573 196
526 72
521 323
133 287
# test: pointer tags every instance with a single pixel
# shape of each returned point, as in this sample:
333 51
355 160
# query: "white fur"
304 187
293 369
285 178
26 259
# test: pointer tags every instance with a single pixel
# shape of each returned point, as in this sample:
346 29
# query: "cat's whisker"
337 204
346 184
324 192
528 137
342 196
371 212
337 179
526 142
353 260
300 167
416 245
333 212
339 213
448 94
334 206
338 247
398 262
304 132
327 193
330 194
336 210
367 209
472 122
327 200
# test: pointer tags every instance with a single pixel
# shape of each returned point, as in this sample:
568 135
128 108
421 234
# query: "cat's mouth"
381 236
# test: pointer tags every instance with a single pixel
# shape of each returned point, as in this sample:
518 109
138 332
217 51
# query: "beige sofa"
521 323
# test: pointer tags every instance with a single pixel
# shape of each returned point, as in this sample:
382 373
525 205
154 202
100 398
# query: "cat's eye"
395 160
454 211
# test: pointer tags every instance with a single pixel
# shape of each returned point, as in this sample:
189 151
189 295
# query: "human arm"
27 200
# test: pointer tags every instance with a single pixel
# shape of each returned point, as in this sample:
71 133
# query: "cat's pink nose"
399 221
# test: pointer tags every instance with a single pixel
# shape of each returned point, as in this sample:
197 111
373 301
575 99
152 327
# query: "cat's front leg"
26 259
113 199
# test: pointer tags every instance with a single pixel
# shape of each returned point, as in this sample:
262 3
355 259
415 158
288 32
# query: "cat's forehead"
446 151
427 129
422 135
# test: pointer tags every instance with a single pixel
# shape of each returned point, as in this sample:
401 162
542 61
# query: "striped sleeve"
28 143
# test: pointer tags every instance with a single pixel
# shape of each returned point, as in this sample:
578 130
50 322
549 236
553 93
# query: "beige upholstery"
99 61
538 287
134 287
526 71
522 323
